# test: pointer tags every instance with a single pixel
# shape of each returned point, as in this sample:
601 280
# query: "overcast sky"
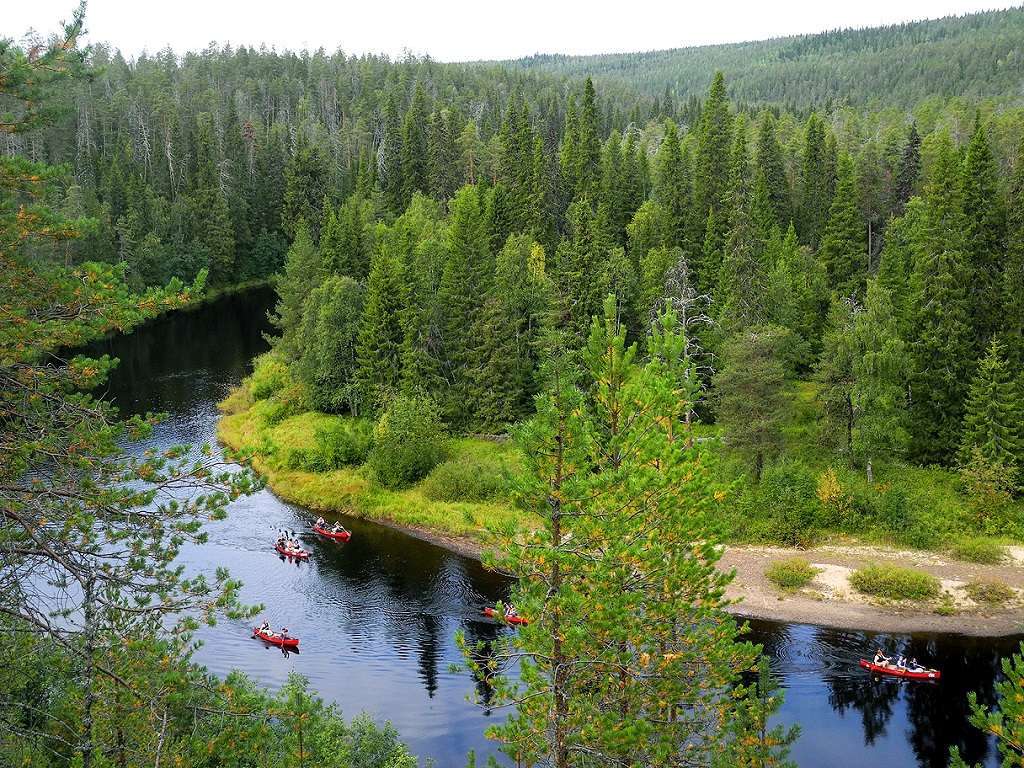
462 30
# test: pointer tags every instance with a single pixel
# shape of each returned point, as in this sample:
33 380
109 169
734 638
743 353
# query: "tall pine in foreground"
629 657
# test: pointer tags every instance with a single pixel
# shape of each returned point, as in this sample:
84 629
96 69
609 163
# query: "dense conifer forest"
437 218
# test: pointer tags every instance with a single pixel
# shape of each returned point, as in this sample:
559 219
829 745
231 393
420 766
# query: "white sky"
462 30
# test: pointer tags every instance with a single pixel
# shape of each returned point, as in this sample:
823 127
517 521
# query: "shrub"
787 497
344 442
791 574
268 378
989 591
978 550
408 441
464 480
285 404
895 583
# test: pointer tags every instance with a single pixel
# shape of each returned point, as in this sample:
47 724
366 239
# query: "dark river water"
376 615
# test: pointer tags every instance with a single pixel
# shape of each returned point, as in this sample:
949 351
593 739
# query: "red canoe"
340 535
273 637
301 554
921 674
509 619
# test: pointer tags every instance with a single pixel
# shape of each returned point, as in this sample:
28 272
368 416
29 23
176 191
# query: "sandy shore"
830 601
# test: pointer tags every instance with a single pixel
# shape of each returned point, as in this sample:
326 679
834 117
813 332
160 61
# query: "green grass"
904 506
283 452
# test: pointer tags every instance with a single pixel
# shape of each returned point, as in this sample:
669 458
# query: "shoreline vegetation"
985 599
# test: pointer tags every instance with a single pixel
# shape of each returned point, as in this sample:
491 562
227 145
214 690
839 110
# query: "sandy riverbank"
829 600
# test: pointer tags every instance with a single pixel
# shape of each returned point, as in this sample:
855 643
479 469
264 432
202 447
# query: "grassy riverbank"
803 498
276 448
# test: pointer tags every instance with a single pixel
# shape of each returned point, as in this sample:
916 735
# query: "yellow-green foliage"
280 447
793 573
895 583
270 375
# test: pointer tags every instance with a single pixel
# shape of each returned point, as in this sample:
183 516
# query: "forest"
837 271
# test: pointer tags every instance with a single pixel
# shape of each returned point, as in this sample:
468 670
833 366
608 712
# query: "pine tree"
626 542
1006 722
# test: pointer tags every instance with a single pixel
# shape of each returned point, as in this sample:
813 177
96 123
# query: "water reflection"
377 614
852 717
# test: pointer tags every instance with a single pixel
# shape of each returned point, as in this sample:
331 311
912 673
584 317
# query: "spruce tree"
985 217
381 331
414 160
1012 286
843 248
713 156
908 173
994 417
770 160
943 342
213 217
302 273
464 287
815 184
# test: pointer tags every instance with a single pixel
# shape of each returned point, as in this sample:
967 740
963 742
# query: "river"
376 616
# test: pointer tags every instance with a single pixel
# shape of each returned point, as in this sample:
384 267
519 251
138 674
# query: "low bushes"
978 550
465 479
791 574
895 583
344 442
989 591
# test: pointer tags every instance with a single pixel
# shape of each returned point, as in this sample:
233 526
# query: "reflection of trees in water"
479 638
938 714
429 651
874 699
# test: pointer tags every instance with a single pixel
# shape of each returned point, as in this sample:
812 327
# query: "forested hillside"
433 224
979 57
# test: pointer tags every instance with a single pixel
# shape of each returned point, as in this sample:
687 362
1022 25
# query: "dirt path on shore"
830 601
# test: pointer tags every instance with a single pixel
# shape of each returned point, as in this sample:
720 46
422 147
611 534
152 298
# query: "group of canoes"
292 548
